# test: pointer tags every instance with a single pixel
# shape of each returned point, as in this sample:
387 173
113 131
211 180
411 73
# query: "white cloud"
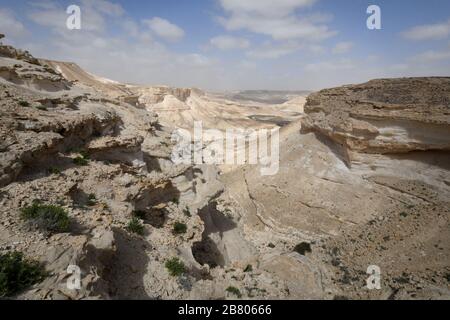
229 42
342 47
431 56
327 66
277 19
265 7
9 25
428 32
105 44
104 7
271 50
165 29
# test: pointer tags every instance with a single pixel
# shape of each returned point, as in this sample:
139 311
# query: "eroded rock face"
89 146
104 160
384 116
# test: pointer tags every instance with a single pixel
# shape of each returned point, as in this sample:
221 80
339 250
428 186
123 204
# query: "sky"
224 45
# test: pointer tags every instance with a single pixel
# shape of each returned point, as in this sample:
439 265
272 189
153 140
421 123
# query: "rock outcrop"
387 116
76 144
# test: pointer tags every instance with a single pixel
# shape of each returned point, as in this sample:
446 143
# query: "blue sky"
237 44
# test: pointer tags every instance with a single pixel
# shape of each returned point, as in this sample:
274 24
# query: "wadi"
87 179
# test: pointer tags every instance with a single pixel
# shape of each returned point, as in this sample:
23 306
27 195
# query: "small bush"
47 217
24 104
17 273
54 170
179 228
80 161
187 213
136 226
249 268
84 154
235 291
42 108
175 267
303 248
92 200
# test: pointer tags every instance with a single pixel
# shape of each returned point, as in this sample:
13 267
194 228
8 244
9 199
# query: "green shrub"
17 273
175 267
249 268
80 161
24 104
136 226
84 154
92 200
179 228
54 170
235 291
47 217
187 213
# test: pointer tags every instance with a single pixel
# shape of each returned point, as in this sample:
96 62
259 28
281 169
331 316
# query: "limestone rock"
384 116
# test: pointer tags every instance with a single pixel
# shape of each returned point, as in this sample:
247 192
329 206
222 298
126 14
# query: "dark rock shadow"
152 163
339 150
153 197
208 251
127 271
436 158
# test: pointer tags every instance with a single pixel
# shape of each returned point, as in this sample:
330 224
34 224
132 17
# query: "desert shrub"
84 154
303 248
235 291
17 273
135 225
92 200
249 268
54 170
179 228
80 161
24 104
175 267
47 217
187 213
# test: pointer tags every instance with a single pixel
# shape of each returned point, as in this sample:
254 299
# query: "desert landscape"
87 179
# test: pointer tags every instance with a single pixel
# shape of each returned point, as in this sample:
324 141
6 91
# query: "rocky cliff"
387 116
366 183
67 147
